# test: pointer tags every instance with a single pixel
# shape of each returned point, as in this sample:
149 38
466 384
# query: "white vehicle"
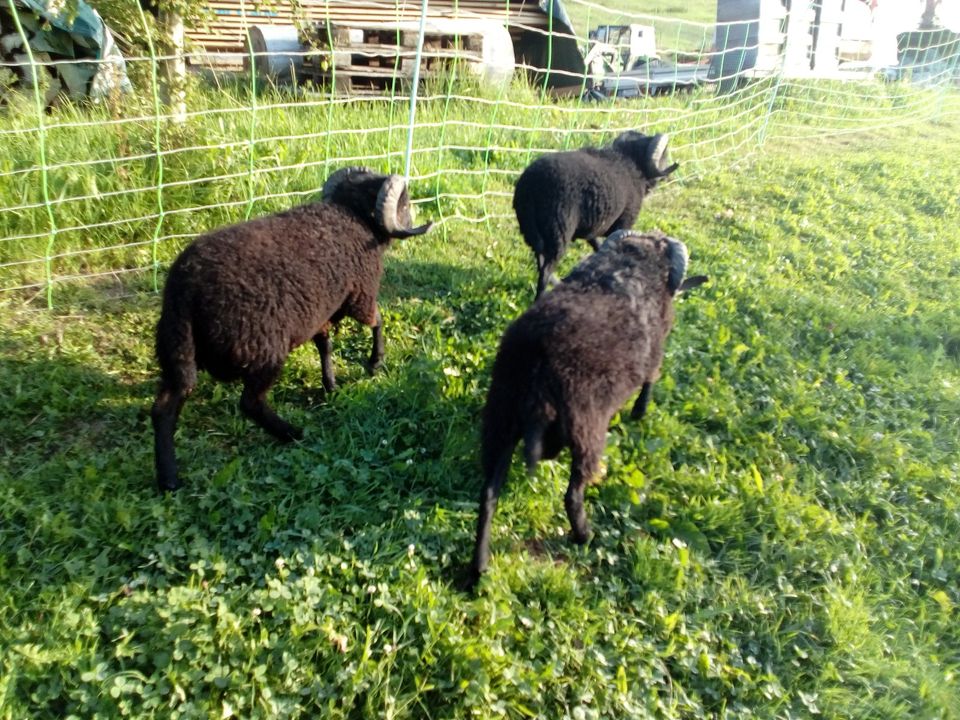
621 47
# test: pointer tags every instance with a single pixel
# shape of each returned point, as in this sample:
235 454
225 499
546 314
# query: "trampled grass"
777 539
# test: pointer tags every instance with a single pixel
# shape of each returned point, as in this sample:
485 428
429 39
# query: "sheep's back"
596 348
259 289
576 194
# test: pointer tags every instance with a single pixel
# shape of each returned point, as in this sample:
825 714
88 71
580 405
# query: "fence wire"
115 187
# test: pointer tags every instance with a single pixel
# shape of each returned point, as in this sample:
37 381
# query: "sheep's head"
625 260
380 199
648 151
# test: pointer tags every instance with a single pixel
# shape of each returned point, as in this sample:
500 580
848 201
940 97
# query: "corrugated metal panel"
226 32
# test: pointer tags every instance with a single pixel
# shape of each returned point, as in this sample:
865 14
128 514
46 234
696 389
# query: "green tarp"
60 31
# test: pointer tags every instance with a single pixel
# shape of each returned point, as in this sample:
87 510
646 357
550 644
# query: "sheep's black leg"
376 351
488 506
586 462
541 276
544 270
253 404
164 414
594 243
640 406
322 341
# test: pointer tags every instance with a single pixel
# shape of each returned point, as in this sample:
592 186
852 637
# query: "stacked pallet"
227 30
372 60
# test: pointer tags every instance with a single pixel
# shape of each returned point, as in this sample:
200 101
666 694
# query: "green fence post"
42 150
155 85
762 135
333 88
493 122
251 143
583 85
413 90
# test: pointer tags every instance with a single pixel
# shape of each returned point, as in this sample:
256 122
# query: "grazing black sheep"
587 193
240 298
571 360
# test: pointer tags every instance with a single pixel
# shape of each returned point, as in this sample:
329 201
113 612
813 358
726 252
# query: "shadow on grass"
414 279
54 403
387 464
371 478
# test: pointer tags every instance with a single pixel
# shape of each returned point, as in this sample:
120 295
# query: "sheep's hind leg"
488 506
322 341
545 273
253 404
164 415
594 243
640 406
586 463
376 351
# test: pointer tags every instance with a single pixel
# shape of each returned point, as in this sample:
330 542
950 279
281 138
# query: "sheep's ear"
692 282
340 176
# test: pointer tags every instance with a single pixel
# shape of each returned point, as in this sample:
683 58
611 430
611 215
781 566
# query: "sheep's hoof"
169 485
286 432
290 434
469 577
373 367
580 536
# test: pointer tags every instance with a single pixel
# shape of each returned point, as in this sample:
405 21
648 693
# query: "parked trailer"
655 78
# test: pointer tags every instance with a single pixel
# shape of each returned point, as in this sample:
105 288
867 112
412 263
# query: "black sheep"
240 298
571 360
587 193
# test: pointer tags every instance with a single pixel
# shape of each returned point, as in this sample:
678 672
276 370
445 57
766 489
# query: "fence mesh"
115 187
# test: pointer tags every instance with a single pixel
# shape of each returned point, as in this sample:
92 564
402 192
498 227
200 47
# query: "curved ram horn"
388 202
339 176
390 212
617 234
677 255
613 239
655 163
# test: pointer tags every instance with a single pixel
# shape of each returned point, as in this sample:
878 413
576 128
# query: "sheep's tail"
501 430
505 409
507 420
514 408
533 446
176 348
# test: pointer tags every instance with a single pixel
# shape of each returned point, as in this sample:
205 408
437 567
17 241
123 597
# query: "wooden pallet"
226 30
378 60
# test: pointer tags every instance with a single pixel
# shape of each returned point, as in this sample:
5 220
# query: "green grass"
106 216
777 539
